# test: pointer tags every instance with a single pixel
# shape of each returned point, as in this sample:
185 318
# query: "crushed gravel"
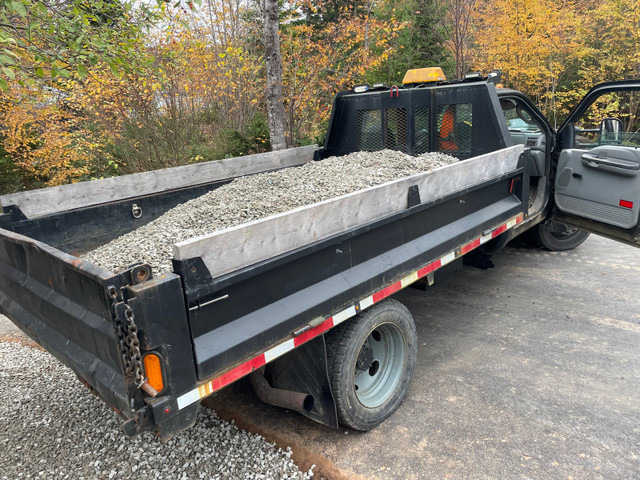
51 427
258 196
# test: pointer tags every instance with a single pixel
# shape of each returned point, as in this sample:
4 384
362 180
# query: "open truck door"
597 178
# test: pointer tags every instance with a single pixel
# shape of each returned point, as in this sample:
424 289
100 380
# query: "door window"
613 119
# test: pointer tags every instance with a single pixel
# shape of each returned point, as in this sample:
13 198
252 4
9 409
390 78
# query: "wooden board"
45 201
233 248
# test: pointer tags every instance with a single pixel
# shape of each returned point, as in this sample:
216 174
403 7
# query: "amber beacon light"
424 75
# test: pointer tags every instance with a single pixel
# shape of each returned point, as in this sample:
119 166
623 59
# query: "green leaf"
41 9
4 86
18 7
9 73
96 42
64 73
114 68
5 59
40 72
82 72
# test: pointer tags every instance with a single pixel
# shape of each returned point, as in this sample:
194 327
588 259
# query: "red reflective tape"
470 246
519 218
314 332
626 204
429 268
238 372
385 292
499 230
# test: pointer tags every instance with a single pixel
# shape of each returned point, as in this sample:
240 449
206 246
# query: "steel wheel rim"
379 366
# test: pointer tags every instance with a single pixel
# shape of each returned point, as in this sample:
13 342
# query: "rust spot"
142 275
76 262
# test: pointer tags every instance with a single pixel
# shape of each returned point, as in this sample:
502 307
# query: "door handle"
594 161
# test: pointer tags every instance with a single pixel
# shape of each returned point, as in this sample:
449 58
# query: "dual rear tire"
371 360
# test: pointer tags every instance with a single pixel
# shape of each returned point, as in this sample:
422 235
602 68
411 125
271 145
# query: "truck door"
597 181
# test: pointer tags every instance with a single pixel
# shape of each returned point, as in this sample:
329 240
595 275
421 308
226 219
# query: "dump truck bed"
241 297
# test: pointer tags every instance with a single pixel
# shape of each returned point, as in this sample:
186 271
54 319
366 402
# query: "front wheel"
556 236
371 360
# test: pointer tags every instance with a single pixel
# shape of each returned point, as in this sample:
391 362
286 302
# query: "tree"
273 62
457 22
319 62
611 34
47 138
46 39
419 41
531 41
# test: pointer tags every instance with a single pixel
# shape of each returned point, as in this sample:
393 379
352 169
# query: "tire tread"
338 341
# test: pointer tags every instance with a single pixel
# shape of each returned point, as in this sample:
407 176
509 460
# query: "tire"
556 236
371 360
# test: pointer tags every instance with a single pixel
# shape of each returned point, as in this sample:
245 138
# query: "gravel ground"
258 196
51 427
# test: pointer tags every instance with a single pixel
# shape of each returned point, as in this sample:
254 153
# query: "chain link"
128 343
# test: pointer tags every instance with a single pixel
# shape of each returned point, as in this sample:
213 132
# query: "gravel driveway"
51 427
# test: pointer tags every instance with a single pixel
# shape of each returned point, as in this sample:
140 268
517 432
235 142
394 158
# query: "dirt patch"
324 468
20 338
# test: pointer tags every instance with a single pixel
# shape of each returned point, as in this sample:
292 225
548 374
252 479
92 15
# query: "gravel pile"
258 196
51 427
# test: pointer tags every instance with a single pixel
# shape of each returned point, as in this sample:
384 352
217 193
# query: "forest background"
98 88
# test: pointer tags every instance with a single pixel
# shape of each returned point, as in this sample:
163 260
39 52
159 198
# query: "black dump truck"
300 301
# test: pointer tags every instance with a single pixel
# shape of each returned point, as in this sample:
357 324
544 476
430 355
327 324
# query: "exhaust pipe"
300 402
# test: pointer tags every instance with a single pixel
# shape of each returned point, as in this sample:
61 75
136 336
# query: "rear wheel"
371 360
556 236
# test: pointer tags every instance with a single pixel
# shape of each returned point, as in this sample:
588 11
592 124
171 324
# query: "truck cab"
583 175
590 163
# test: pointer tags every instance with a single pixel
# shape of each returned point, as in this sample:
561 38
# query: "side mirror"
611 131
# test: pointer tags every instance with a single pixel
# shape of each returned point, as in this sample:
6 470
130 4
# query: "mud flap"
304 370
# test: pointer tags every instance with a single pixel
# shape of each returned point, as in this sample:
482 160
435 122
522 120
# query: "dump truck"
302 302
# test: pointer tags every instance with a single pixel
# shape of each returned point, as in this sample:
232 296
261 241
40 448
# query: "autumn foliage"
192 87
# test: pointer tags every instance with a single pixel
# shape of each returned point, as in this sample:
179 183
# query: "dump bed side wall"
79 217
234 316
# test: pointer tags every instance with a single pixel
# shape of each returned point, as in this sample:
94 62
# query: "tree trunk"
273 59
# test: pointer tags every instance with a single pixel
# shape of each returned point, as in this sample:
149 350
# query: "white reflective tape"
188 398
485 239
366 302
279 350
409 279
343 315
512 223
448 258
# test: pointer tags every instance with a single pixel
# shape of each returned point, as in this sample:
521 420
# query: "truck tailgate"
60 302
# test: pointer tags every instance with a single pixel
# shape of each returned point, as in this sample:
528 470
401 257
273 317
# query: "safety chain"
128 343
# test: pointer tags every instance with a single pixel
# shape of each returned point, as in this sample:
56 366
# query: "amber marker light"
153 370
